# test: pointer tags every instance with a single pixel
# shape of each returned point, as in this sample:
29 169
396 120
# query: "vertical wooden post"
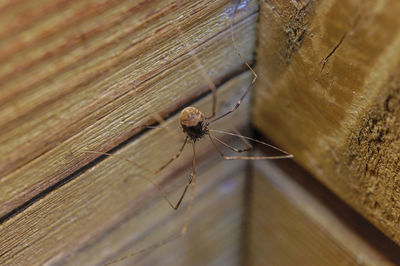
329 92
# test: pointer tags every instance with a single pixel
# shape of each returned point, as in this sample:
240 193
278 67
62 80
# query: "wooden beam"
76 219
329 93
88 76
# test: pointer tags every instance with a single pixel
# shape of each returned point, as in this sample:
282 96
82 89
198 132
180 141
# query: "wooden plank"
214 232
292 220
77 217
88 74
329 93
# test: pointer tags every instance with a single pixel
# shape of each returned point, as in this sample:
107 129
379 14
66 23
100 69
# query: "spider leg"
255 140
158 187
191 175
176 156
240 100
211 84
189 209
162 122
248 66
184 226
206 77
249 146
246 157
184 192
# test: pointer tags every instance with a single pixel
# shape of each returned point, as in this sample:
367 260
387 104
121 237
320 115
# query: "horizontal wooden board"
214 232
68 220
329 93
81 75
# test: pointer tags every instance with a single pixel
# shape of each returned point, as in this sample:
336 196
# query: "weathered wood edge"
329 93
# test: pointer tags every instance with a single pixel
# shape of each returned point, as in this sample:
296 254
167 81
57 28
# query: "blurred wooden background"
88 75
330 94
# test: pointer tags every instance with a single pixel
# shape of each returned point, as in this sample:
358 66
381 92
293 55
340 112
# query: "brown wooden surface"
70 218
87 75
213 236
292 220
329 93
81 75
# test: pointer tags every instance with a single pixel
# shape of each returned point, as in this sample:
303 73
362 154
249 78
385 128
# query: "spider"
196 125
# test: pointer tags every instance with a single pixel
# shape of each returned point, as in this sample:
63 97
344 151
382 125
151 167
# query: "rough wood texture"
88 75
213 237
329 93
74 222
291 221
78 75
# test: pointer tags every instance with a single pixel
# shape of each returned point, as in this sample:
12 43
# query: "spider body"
193 123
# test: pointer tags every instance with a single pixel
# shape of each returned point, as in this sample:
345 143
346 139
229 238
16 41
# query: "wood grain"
213 236
79 75
73 218
290 222
329 93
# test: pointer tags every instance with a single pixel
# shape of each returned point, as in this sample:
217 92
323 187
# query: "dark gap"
48 190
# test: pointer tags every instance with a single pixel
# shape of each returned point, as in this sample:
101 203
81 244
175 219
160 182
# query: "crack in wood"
354 25
325 61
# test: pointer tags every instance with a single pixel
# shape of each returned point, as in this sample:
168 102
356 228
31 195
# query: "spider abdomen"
193 123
